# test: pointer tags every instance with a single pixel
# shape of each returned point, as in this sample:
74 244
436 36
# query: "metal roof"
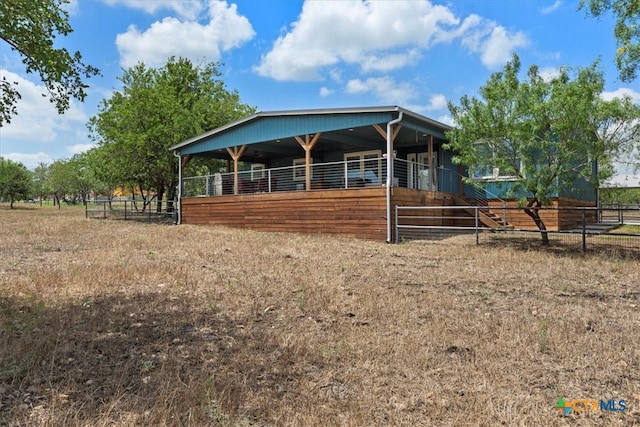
342 124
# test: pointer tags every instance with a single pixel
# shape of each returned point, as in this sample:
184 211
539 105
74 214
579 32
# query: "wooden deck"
357 212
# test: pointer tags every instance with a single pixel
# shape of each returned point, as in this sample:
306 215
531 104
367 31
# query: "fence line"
131 210
588 232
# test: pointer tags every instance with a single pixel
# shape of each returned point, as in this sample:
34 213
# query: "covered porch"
338 171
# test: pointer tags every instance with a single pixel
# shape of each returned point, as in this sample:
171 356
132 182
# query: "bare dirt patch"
112 323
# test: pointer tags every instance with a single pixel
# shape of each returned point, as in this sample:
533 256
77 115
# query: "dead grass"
119 323
627 228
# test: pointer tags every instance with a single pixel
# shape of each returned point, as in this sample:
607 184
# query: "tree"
83 178
60 181
15 181
40 181
545 133
620 196
626 31
158 108
30 28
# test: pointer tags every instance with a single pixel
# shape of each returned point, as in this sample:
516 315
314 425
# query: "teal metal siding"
277 127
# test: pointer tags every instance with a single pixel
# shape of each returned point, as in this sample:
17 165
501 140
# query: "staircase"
485 215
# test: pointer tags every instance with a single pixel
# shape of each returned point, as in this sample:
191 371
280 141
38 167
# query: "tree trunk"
171 196
160 197
533 210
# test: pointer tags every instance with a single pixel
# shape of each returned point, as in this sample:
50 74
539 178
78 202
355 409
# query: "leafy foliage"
544 133
30 28
15 181
626 31
158 108
620 196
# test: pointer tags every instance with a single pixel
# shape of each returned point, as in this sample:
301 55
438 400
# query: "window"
489 170
365 166
257 171
299 169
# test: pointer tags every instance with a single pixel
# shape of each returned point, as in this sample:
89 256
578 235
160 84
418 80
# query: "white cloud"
384 88
500 46
494 43
71 7
31 161
79 148
378 36
390 62
446 119
225 30
550 9
437 102
360 33
187 9
35 110
549 73
336 75
621 93
324 92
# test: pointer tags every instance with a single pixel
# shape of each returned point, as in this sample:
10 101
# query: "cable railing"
331 175
369 172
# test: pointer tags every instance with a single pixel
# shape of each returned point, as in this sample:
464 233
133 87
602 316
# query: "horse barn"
340 171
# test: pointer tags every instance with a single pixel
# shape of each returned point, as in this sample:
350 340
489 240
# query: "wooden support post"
383 133
236 153
430 163
307 144
394 133
186 159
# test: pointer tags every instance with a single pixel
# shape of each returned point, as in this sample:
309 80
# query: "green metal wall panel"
277 127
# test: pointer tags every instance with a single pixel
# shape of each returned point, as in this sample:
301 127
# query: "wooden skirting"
554 219
357 212
432 217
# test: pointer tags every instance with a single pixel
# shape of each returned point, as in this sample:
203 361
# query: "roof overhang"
275 131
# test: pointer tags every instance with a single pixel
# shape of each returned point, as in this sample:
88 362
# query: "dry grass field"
111 323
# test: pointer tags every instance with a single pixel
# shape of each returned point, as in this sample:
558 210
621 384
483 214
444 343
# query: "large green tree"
60 181
30 28
543 132
158 108
40 181
15 181
626 30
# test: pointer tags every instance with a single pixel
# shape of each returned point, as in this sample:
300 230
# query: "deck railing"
331 175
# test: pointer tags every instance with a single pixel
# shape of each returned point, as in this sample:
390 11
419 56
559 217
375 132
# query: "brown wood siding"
431 217
554 220
358 212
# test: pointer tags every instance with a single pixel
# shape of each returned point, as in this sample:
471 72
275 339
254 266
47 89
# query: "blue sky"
293 54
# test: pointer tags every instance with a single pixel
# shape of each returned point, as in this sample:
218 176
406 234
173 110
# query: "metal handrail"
480 195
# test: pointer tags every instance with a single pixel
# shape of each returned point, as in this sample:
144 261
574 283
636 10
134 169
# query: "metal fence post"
125 210
504 213
104 210
477 229
397 230
584 230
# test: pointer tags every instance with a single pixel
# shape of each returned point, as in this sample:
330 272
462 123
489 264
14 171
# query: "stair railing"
480 195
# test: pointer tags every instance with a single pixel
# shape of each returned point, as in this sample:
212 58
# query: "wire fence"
612 231
164 212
